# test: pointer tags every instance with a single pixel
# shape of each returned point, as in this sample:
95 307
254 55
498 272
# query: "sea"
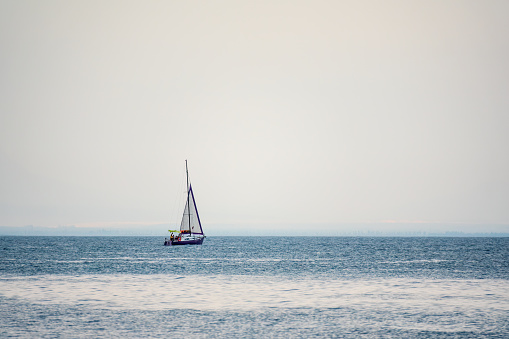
254 287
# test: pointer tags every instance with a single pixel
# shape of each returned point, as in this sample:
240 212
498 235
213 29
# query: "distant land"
354 230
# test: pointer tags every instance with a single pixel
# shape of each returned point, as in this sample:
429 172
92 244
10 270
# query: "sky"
310 114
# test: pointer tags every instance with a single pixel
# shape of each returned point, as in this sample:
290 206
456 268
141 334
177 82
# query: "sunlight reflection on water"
244 293
428 306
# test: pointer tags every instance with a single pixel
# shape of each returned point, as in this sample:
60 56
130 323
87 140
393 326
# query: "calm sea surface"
252 287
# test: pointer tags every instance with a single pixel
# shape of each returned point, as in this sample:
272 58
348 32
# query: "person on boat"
171 236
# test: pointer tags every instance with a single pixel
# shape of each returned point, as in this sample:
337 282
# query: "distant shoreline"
282 230
388 235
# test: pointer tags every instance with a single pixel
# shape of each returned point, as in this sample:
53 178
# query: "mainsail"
190 220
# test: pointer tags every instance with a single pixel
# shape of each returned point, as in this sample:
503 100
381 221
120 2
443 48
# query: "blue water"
236 287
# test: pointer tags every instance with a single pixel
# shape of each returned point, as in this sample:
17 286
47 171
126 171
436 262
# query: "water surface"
254 287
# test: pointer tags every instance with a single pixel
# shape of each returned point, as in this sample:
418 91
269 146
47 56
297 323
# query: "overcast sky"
309 112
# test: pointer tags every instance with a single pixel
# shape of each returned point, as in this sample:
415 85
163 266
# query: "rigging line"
182 197
179 197
188 204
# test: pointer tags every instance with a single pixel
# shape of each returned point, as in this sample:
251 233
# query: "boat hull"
198 241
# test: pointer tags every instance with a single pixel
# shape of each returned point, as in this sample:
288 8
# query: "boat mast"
188 206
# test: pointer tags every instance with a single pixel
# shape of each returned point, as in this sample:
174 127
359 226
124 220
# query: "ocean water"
254 287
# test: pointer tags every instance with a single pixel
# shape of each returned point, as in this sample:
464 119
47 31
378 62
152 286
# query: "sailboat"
190 232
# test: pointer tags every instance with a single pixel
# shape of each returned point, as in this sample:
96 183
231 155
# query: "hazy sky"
288 111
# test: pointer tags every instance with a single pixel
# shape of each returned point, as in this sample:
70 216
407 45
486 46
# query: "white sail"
190 219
